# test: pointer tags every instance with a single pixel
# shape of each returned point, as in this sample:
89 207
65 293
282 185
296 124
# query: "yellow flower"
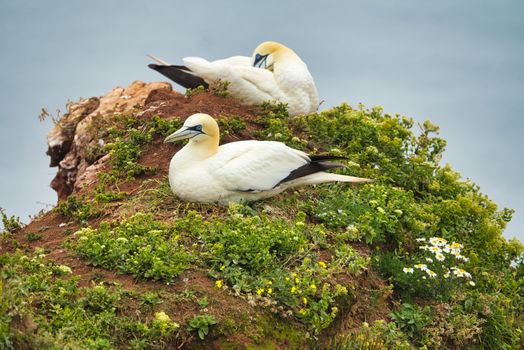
304 300
162 316
293 289
269 291
65 269
218 284
260 291
296 280
269 282
313 287
222 268
322 264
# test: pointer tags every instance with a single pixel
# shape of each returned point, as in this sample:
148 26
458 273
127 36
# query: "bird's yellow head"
270 52
198 128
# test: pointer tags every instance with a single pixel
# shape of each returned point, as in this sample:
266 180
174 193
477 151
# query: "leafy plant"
139 245
203 302
220 88
201 324
231 125
11 224
33 236
411 319
77 208
192 92
66 316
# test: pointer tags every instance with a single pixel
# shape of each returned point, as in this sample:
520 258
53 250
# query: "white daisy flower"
435 249
437 241
408 270
431 273
456 246
422 267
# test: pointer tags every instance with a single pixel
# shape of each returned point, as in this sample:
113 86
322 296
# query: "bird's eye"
258 60
198 127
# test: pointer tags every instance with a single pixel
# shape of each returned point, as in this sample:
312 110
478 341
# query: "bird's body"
239 171
274 73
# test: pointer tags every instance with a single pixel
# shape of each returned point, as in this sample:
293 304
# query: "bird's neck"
203 149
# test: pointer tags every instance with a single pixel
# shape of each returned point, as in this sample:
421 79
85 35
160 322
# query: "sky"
458 63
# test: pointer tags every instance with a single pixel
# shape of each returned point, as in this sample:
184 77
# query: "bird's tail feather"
180 75
158 60
322 177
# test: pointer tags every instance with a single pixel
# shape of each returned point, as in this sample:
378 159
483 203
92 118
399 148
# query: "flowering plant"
440 270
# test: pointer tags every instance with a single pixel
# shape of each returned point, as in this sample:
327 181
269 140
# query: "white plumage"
273 73
245 170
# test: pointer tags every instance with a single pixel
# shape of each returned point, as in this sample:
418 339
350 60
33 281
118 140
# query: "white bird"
273 73
240 171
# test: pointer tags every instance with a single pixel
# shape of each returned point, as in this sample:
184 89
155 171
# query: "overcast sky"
458 63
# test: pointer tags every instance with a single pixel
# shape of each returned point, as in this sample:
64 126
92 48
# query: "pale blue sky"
458 63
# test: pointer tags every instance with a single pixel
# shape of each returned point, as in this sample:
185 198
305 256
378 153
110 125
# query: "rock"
72 141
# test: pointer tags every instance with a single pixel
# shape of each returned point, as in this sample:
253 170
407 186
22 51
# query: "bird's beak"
180 134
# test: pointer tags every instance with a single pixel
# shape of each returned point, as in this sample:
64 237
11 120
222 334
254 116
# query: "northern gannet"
273 73
203 171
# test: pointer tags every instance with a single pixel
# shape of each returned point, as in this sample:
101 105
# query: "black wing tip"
315 166
180 75
324 157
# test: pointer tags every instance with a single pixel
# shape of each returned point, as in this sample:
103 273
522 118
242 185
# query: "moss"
272 333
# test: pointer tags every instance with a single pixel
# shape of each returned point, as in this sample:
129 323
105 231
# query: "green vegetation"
125 143
201 324
77 208
33 236
414 260
230 126
220 88
139 245
11 224
128 136
41 309
192 92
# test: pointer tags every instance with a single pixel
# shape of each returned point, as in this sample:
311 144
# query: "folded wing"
250 84
255 165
